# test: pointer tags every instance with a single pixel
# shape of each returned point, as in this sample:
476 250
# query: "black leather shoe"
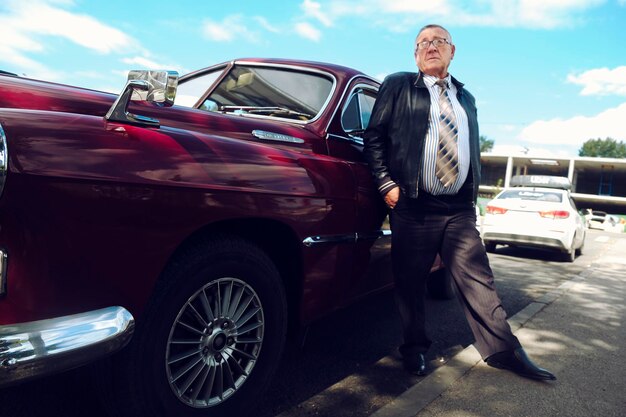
415 364
518 361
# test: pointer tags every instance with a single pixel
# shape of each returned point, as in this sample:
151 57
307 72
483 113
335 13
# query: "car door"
371 269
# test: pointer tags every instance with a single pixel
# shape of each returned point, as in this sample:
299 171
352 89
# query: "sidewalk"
577 332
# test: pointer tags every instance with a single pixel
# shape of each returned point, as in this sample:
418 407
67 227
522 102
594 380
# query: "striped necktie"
447 166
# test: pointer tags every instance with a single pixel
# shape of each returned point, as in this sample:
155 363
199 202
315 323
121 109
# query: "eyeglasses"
436 42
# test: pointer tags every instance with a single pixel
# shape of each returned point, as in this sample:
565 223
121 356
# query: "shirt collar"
430 80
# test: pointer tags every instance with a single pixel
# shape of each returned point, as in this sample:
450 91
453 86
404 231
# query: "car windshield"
532 195
270 91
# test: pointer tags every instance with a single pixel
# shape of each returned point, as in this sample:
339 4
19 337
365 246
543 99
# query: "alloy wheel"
214 342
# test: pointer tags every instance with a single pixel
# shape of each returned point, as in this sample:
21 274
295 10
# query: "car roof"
542 189
334 69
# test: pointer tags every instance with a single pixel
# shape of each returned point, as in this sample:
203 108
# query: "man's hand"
391 198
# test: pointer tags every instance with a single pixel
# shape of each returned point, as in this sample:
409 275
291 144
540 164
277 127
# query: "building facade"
597 183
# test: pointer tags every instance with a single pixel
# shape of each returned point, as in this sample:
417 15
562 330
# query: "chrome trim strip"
316 240
118 111
360 86
330 119
4 159
373 235
201 72
265 135
348 238
38 348
3 272
353 139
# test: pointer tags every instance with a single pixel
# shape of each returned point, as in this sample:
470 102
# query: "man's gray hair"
431 26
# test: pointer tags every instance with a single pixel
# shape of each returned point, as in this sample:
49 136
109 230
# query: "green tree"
603 148
486 145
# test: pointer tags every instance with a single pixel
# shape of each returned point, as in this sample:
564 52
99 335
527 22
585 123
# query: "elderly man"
423 149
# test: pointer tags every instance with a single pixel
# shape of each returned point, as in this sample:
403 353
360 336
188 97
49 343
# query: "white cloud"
401 15
381 76
535 151
266 25
509 149
230 28
415 7
536 14
313 9
545 13
306 30
24 26
146 63
601 81
143 62
508 128
579 129
39 17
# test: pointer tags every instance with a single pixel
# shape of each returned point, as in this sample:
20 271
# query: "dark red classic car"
186 239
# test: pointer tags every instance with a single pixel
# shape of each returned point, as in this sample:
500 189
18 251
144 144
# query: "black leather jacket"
396 134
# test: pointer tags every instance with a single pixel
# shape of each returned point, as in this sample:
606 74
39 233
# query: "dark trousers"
421 229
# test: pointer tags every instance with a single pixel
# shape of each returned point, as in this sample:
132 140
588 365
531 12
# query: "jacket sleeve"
376 137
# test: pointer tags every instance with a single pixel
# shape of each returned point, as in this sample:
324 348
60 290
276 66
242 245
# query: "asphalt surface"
577 331
522 276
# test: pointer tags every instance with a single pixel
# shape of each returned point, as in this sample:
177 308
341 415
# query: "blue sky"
547 74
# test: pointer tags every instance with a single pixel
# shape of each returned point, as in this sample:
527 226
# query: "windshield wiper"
265 110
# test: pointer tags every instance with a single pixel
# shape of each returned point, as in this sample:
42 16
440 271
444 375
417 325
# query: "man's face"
434 60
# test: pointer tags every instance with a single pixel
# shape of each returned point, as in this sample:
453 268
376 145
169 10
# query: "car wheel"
579 251
570 256
211 338
490 247
440 284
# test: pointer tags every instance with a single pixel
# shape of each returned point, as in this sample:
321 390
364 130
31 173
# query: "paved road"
351 356
348 356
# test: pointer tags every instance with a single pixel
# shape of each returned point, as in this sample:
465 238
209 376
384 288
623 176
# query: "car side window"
357 112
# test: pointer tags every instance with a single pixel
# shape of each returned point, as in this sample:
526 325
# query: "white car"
601 220
596 219
536 211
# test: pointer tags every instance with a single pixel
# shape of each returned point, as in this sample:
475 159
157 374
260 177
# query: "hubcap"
214 342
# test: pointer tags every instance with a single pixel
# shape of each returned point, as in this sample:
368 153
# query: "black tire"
236 354
440 285
570 256
579 251
490 247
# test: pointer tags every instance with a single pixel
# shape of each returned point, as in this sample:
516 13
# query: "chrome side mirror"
157 87
161 86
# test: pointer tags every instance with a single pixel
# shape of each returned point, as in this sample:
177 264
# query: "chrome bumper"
529 241
38 348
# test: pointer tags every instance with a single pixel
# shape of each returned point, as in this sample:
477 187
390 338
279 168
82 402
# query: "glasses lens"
426 44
